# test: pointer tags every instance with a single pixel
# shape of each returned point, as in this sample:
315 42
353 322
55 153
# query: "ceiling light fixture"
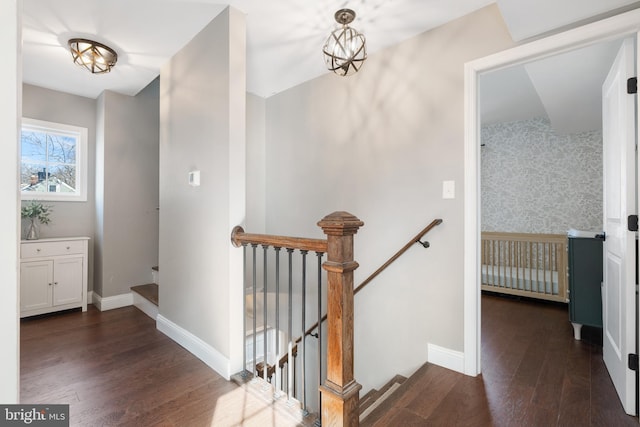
345 49
92 55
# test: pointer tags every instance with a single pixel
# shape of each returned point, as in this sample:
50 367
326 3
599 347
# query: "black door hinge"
633 362
632 222
632 85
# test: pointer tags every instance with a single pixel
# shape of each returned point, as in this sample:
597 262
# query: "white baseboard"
144 305
109 303
196 346
89 297
445 357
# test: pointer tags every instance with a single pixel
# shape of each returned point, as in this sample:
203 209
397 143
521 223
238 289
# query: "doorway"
621 26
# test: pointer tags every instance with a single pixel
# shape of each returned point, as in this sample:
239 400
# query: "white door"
618 291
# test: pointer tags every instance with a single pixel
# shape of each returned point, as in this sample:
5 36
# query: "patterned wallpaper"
535 181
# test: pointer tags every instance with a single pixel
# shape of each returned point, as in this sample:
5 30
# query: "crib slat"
533 265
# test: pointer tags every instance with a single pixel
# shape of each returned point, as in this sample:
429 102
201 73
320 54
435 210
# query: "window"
53 161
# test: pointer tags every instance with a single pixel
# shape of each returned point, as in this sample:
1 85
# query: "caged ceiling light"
92 55
345 49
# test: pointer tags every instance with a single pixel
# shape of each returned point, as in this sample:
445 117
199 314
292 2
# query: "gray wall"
256 168
67 218
120 213
379 144
203 122
127 216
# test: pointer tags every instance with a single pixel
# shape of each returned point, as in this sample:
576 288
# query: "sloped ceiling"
284 40
565 88
530 18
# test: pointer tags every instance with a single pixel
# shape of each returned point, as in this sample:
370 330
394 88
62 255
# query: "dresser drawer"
43 249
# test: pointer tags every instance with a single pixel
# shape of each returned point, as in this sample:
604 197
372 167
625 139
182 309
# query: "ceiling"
567 89
284 38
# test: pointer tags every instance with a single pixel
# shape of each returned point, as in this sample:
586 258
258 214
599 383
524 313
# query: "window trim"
81 161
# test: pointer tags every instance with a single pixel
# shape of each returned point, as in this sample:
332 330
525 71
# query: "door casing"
617 27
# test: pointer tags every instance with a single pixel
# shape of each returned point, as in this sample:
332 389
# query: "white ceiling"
566 88
284 38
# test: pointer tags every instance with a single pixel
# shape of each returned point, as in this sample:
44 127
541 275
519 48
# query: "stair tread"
368 399
397 379
373 395
389 395
148 291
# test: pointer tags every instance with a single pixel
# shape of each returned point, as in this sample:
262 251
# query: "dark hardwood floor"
115 368
534 374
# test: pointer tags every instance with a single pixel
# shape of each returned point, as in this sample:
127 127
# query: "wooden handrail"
397 255
239 238
416 239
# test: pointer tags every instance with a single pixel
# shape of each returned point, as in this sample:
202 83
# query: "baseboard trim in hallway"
111 303
203 351
445 357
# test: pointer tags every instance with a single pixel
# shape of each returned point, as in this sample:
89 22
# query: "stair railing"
340 390
338 402
365 282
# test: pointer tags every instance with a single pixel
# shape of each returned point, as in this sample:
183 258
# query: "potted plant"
36 212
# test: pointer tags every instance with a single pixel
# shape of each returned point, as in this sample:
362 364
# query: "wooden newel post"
340 391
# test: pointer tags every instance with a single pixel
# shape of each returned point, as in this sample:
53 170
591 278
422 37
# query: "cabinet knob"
49 284
38 250
55 283
68 247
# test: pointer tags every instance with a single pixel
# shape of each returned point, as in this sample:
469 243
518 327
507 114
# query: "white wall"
203 124
67 218
10 108
379 144
127 216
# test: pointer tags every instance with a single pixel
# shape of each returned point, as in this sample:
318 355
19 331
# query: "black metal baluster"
244 310
255 314
265 364
319 257
278 386
303 354
290 361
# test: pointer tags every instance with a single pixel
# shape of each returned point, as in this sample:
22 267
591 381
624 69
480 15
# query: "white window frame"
81 133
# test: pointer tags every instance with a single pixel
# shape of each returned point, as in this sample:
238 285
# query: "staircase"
375 398
145 297
397 401
276 399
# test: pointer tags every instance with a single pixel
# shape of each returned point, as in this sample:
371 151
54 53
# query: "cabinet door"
67 281
36 280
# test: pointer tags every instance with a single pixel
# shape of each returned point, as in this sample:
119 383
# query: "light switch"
194 178
448 189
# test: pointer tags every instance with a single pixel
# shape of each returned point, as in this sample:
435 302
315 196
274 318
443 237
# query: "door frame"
617 27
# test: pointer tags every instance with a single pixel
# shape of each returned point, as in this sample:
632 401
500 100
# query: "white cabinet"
53 275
